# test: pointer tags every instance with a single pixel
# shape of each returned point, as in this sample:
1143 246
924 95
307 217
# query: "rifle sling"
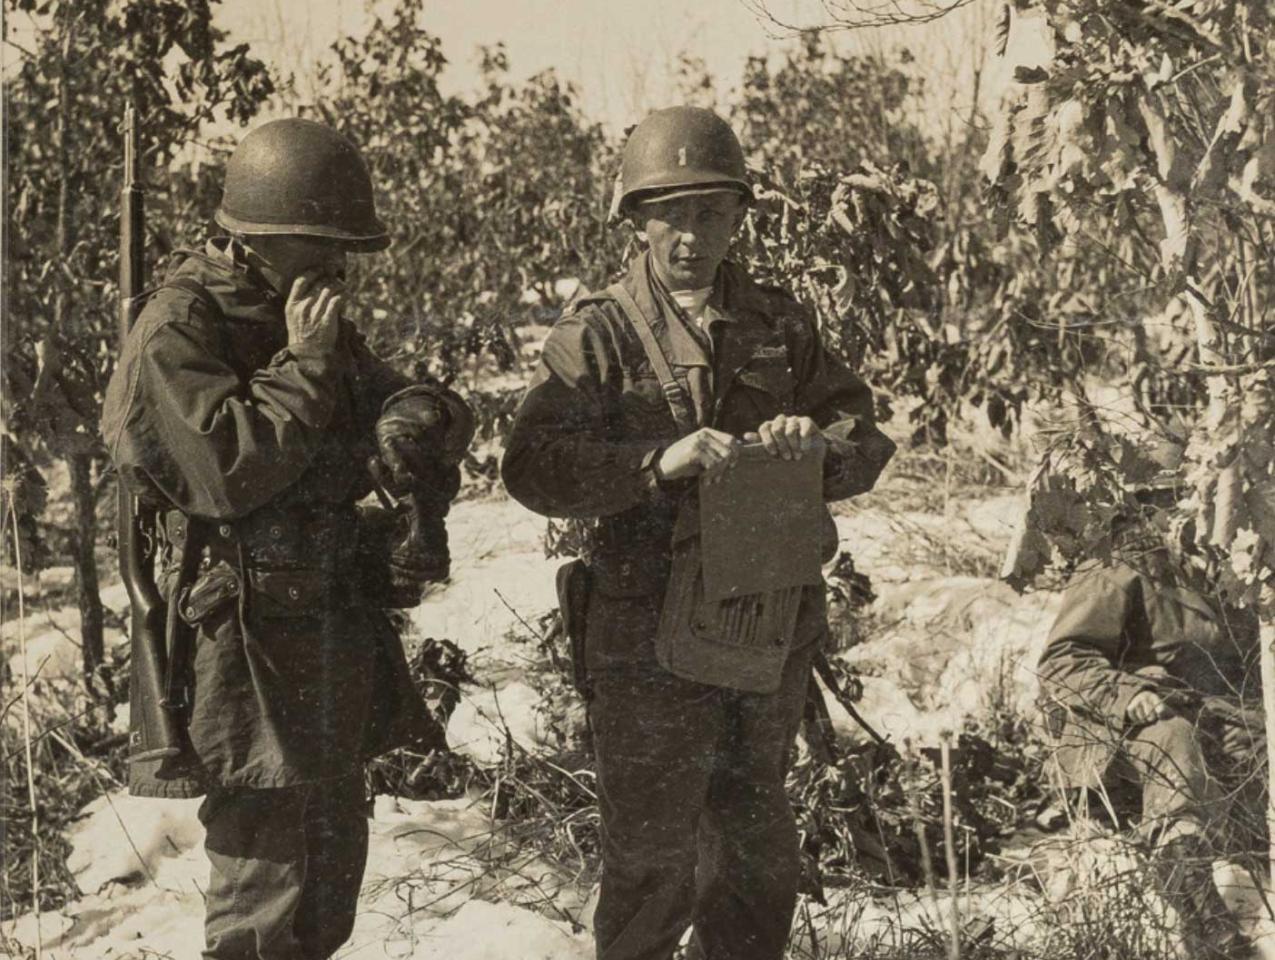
678 402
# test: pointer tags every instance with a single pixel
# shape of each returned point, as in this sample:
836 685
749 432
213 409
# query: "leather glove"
422 435
400 552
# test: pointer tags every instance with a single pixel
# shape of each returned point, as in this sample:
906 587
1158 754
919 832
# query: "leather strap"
678 402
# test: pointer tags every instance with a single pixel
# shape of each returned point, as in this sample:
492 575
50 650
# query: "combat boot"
1184 878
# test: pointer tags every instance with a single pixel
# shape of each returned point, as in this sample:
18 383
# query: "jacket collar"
240 290
735 300
682 346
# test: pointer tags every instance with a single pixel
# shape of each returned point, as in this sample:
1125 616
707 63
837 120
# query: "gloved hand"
421 436
400 552
421 556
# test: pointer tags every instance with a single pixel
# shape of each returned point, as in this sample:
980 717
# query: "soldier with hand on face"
643 389
1151 690
245 410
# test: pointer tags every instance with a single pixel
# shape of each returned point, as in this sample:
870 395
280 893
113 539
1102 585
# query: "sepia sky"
622 54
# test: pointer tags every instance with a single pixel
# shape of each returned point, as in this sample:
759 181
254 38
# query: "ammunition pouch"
573 583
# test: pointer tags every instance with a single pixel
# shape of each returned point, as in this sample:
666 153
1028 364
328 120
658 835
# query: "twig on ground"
508 606
949 843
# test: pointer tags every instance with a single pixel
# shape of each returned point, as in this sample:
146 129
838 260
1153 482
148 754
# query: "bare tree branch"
860 14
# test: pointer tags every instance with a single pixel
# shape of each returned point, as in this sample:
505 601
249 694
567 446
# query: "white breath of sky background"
622 55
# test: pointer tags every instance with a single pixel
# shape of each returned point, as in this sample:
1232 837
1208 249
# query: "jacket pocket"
290 593
771 375
213 589
645 409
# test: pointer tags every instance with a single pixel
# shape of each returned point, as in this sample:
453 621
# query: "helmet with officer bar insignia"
679 151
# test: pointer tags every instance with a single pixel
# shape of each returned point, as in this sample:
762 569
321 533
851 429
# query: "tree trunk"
1267 636
79 462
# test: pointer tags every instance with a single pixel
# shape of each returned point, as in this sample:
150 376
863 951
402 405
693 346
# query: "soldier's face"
690 235
286 257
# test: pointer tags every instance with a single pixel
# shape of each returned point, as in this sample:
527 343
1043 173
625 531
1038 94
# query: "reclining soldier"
1151 688
697 829
247 411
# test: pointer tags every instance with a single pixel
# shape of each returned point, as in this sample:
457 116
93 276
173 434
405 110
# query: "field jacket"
1119 632
595 418
259 448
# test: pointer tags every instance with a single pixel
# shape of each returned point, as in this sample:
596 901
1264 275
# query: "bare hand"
312 311
1147 707
789 438
704 451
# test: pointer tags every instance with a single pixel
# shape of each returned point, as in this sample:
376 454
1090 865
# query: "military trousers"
287 864
1198 774
697 830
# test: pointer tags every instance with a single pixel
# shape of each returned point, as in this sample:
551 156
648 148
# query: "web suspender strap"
678 402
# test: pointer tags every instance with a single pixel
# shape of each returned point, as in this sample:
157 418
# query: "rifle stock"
155 730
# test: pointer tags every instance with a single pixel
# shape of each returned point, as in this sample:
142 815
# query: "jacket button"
190 613
701 625
294 593
224 530
780 642
233 587
276 532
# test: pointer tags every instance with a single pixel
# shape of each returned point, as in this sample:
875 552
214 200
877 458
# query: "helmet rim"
370 242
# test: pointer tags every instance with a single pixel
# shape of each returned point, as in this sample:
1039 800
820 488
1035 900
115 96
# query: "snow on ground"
442 882
499 574
432 867
501 583
942 647
142 868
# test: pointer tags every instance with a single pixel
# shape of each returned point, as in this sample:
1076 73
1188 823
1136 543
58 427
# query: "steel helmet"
300 177
681 150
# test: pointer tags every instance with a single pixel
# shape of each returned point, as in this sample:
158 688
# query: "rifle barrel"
132 227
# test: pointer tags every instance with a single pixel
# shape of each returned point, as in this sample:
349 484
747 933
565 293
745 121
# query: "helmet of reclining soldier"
299 177
678 151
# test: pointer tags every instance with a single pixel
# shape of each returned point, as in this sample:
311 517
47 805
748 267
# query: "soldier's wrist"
650 468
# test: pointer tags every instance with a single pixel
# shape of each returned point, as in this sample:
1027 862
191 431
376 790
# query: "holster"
573 602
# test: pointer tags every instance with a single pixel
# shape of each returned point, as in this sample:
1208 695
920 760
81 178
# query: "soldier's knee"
1172 737
1170 763
649 844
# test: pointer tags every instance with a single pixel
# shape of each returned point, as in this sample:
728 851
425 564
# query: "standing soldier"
245 411
1149 682
641 389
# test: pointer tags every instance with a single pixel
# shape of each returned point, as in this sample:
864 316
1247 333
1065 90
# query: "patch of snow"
497 550
122 837
115 598
497 931
995 519
1254 907
477 726
52 653
948 648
